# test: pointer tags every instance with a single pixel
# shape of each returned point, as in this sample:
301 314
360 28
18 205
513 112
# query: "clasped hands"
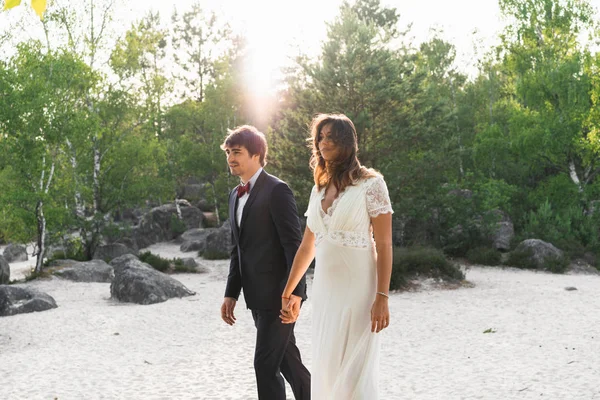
290 309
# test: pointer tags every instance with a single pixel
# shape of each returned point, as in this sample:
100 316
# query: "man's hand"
380 314
290 309
227 310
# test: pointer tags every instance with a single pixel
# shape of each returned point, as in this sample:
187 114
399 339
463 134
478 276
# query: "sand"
543 342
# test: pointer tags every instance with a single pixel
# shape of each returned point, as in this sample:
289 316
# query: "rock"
89 271
195 239
503 231
63 263
19 300
190 262
570 288
4 271
15 253
540 251
137 282
218 243
112 251
161 224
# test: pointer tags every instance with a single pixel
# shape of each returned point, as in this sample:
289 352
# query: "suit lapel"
232 219
253 193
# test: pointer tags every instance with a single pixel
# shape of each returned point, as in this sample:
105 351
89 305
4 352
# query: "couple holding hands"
348 234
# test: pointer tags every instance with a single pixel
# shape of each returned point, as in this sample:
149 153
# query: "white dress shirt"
242 200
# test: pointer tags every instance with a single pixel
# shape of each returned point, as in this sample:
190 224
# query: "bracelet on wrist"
383 294
283 297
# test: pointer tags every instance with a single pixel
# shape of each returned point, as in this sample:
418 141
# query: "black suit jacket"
265 244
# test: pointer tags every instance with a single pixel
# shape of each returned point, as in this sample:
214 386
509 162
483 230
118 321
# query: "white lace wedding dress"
345 353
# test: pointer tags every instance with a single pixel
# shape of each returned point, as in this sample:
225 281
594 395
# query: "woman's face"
329 150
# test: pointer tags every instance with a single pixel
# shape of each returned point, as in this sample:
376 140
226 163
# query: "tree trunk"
574 177
79 209
178 208
216 203
96 176
41 234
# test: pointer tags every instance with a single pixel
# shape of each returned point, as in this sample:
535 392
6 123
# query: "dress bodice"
348 221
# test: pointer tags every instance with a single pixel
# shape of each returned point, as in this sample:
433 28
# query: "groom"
265 235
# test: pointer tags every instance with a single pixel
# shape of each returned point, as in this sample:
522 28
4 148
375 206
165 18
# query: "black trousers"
276 353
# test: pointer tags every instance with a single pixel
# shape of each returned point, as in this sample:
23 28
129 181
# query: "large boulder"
137 282
63 262
4 271
540 252
195 239
111 251
89 271
19 300
15 253
161 224
130 215
218 243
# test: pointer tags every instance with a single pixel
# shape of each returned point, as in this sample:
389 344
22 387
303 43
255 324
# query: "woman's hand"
290 309
380 314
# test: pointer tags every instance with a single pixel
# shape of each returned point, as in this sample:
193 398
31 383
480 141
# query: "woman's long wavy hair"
346 169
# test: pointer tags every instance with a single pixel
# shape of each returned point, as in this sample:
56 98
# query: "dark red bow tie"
243 189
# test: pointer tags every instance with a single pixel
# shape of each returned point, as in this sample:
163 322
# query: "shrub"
484 256
184 269
179 266
521 259
177 225
524 259
557 265
569 228
114 232
75 251
422 261
214 255
156 262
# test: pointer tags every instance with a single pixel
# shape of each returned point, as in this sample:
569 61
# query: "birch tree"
42 95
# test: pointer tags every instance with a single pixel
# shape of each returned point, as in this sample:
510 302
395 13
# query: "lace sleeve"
378 198
310 200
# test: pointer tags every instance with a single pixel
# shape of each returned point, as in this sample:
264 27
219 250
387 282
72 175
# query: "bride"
349 234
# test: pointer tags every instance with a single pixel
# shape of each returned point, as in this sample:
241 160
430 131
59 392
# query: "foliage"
213 255
177 226
422 261
156 262
178 266
484 256
521 259
80 140
571 227
524 259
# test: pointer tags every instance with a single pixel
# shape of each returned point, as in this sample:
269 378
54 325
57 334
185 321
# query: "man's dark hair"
249 137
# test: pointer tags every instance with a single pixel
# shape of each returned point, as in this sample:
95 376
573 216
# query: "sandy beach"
543 342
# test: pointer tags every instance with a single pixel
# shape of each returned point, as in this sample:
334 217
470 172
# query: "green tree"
42 106
199 39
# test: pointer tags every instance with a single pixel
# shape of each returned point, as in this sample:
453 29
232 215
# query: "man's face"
240 162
